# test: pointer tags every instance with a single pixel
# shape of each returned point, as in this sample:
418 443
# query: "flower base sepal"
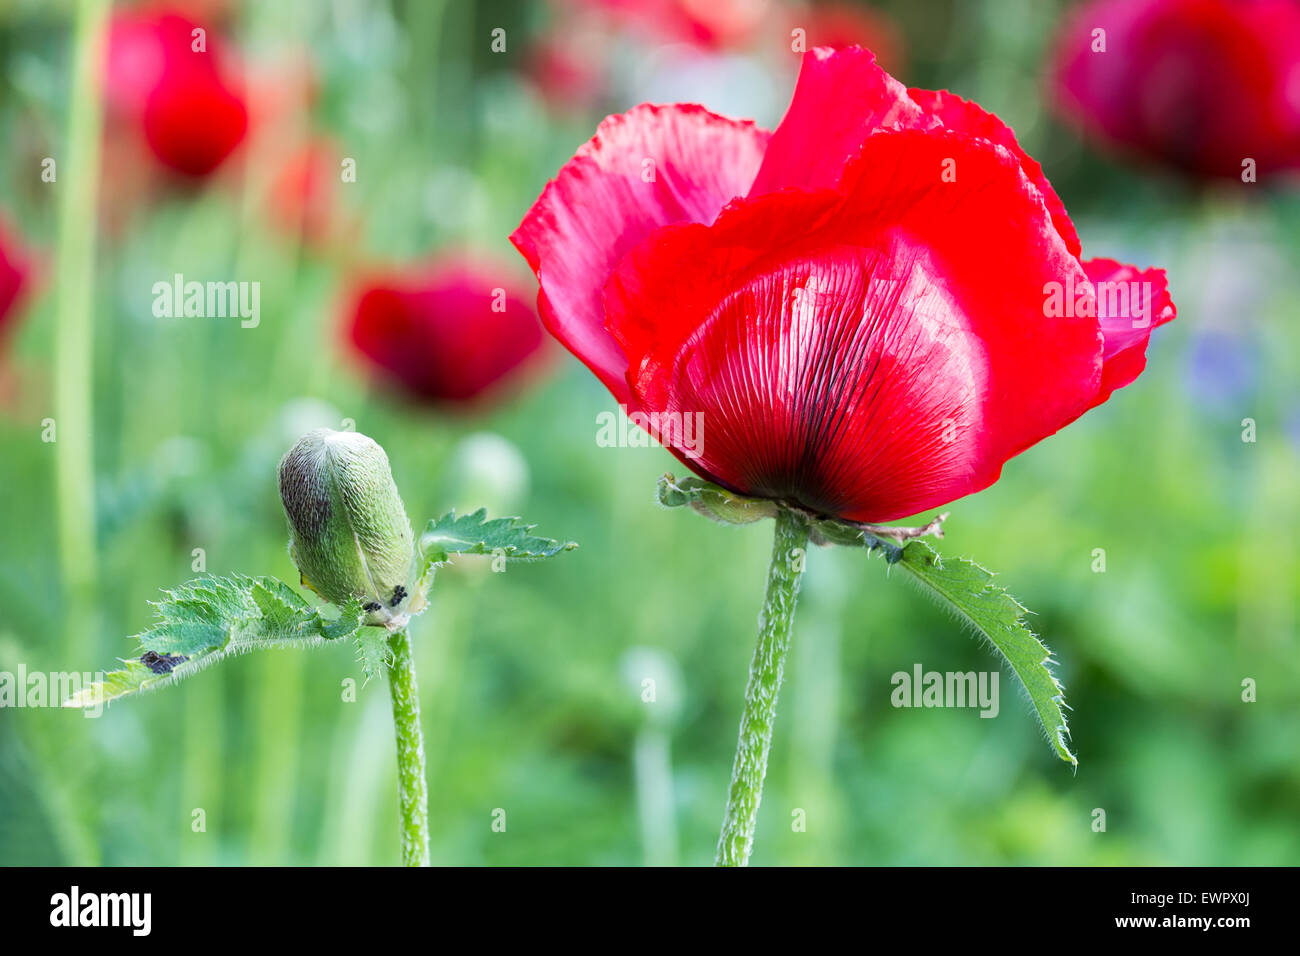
718 504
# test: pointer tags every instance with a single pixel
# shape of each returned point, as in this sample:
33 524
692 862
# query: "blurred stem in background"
814 711
424 62
74 282
58 792
200 775
347 836
412 788
655 801
775 624
655 676
277 262
443 662
279 705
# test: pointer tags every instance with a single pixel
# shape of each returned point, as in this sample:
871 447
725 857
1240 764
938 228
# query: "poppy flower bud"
349 534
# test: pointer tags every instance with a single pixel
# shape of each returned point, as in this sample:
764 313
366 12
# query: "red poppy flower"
15 278
451 332
181 101
1202 85
870 309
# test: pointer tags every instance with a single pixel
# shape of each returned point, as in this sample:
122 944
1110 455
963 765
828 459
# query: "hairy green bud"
348 530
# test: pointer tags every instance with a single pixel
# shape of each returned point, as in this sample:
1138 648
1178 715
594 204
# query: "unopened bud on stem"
348 530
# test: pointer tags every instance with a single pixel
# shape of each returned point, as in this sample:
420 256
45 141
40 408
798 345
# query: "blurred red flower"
712 24
842 24
16 276
567 66
303 201
173 89
1202 85
870 309
450 332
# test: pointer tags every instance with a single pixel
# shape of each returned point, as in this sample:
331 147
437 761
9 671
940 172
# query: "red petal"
600 206
1130 303
966 117
871 354
842 97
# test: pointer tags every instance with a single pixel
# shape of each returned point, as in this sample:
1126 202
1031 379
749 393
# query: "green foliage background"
527 702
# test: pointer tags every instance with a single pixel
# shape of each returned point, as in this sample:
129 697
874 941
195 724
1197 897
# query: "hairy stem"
412 789
775 624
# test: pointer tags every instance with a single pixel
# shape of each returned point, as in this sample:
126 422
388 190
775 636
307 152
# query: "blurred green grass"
526 706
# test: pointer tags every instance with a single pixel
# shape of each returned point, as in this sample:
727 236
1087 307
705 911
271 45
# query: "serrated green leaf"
373 653
477 534
966 590
207 619
349 622
133 677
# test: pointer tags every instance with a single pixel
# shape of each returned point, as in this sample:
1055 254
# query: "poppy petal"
1130 304
964 116
644 169
841 98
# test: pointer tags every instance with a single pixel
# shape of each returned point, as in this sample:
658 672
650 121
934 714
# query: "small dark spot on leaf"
399 593
161 663
370 606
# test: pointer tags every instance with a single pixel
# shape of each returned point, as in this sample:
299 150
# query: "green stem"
74 280
77 182
412 789
775 624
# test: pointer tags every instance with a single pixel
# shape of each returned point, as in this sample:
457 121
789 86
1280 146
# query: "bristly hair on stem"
766 672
